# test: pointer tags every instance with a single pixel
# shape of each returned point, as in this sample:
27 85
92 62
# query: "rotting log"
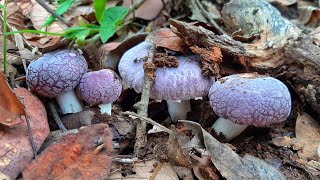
262 41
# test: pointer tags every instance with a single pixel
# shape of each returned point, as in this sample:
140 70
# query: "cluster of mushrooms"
239 100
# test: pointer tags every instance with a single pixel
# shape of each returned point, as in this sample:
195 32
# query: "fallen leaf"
10 106
39 15
230 164
25 5
307 138
309 16
15 147
149 10
165 38
111 60
85 155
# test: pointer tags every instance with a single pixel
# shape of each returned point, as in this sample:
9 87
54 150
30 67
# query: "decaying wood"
263 41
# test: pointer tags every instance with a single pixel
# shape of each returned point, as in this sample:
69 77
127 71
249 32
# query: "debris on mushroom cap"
182 83
99 87
250 99
56 72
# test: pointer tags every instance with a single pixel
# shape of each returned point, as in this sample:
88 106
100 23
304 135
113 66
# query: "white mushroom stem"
229 129
69 103
106 108
178 110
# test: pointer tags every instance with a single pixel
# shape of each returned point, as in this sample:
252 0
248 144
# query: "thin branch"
34 148
46 7
56 117
142 107
148 120
135 6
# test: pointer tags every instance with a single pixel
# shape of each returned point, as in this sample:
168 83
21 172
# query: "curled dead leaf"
10 106
15 147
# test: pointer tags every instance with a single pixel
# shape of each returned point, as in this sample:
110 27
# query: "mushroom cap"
182 83
99 87
56 72
250 99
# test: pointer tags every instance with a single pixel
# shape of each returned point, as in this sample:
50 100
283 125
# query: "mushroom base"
229 129
69 103
106 108
178 110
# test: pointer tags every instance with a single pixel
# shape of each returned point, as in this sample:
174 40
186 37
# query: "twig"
34 148
135 6
46 7
142 108
56 117
156 171
149 120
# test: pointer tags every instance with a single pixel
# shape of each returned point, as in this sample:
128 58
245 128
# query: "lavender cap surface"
99 87
182 83
251 100
56 72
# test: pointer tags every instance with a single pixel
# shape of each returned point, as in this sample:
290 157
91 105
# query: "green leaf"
112 18
61 9
99 7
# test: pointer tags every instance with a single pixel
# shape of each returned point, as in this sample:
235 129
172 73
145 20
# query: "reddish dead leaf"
149 10
14 16
15 147
10 106
166 38
84 155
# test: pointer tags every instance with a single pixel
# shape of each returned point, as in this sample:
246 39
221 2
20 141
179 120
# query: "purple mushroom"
56 74
175 85
100 88
248 99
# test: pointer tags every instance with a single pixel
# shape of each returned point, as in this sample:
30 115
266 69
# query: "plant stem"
5 38
35 32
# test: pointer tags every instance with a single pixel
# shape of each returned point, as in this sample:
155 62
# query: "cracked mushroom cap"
182 83
56 73
250 99
99 87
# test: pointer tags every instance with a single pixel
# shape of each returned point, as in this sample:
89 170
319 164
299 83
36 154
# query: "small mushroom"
100 88
56 74
175 85
248 99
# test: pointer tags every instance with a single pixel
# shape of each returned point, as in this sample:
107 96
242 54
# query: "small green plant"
109 19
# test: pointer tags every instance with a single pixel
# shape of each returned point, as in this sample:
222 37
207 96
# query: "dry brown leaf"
14 16
309 16
166 38
307 138
85 155
39 15
284 2
10 106
25 5
15 147
204 169
149 10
